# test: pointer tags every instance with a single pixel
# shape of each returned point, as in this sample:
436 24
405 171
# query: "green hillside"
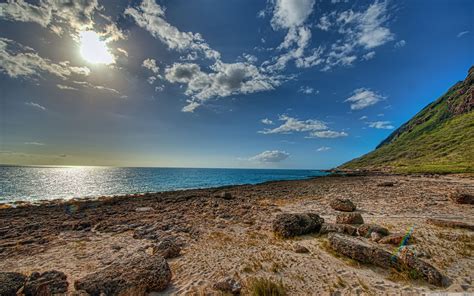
439 139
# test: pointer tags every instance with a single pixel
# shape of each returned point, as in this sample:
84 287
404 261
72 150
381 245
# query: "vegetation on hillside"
439 139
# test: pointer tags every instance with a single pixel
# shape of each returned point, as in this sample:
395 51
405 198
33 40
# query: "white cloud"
460 34
363 117
291 125
66 87
35 105
98 87
360 30
327 134
308 90
363 97
53 14
17 60
270 156
151 16
291 13
368 56
150 64
381 124
323 148
400 44
34 143
267 121
224 80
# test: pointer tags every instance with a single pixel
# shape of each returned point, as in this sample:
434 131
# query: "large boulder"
10 283
135 275
344 205
360 250
339 228
366 230
349 218
462 197
47 283
421 269
288 225
406 260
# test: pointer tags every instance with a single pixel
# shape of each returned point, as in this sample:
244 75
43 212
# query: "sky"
209 83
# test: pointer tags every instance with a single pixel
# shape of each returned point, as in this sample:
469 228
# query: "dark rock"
349 218
450 223
420 268
46 283
406 261
10 282
134 275
300 249
344 205
366 230
462 197
339 228
360 250
289 225
225 195
228 285
395 239
386 184
168 248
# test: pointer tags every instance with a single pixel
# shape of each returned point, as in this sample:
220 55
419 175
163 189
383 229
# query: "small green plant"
265 287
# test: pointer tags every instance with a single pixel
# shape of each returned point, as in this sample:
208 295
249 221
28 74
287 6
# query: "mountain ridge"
439 138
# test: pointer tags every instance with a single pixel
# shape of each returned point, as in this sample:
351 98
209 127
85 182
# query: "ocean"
46 183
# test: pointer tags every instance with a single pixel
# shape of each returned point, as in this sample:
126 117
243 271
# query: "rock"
386 184
375 236
46 283
144 209
394 239
10 283
406 261
168 248
462 197
360 250
225 195
228 285
288 225
349 218
450 223
135 275
366 230
420 268
344 205
300 249
339 228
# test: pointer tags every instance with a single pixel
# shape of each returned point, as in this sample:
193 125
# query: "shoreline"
13 204
227 231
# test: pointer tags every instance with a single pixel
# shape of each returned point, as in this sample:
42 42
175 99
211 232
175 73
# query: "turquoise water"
40 183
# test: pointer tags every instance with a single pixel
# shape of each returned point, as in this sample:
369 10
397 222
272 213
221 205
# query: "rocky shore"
335 235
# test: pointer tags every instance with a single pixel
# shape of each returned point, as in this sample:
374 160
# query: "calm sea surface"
39 183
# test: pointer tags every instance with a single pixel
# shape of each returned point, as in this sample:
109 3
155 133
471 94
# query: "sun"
93 49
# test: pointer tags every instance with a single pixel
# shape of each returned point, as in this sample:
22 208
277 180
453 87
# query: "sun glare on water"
93 49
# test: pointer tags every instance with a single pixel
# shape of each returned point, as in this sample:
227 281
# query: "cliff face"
440 138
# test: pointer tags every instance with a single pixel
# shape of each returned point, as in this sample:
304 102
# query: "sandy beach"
227 232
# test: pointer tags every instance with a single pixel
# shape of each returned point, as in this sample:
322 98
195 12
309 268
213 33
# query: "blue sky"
210 83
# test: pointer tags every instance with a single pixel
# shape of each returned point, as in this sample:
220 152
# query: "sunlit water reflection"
38 183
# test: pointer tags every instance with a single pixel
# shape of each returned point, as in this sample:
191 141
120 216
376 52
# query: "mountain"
439 139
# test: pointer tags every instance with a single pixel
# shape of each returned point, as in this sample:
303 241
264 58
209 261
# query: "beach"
227 232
